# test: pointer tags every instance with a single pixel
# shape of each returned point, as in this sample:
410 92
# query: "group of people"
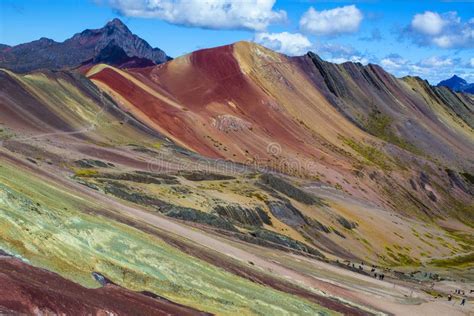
360 267
463 300
381 276
460 292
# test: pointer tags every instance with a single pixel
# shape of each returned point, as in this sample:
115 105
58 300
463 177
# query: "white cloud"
339 53
434 69
436 62
354 59
430 23
213 14
442 30
331 22
286 43
389 64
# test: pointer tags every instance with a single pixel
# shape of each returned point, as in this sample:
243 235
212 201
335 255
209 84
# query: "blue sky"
427 38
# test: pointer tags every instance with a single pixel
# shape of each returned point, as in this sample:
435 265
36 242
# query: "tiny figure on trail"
450 297
463 301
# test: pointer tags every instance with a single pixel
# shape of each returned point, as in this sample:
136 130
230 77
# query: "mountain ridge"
82 47
457 84
237 168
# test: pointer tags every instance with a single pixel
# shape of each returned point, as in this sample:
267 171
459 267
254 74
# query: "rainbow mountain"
230 180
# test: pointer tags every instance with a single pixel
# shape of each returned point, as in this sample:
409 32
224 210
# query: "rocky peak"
83 47
117 25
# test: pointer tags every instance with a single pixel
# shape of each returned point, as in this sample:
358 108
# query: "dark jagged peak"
117 24
457 84
83 47
114 26
333 74
114 55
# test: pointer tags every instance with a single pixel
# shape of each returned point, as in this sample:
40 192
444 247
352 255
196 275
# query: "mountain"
457 84
81 48
243 97
114 55
232 175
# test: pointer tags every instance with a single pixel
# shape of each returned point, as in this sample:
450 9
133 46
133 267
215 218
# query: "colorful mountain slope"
407 112
308 118
232 176
23 291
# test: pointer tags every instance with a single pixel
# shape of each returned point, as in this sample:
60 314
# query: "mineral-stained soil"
30 290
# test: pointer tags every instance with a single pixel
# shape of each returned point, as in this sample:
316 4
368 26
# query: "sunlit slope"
63 230
227 102
50 104
408 112
89 184
356 128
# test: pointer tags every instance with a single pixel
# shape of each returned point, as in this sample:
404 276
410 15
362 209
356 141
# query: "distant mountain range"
457 84
114 41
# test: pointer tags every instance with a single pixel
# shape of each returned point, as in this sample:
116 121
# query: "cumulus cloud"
286 43
436 62
354 59
332 22
445 30
393 62
338 53
434 68
213 14
430 23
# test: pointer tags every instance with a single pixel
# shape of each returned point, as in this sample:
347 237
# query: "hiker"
375 275
463 301
382 276
450 297
360 267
